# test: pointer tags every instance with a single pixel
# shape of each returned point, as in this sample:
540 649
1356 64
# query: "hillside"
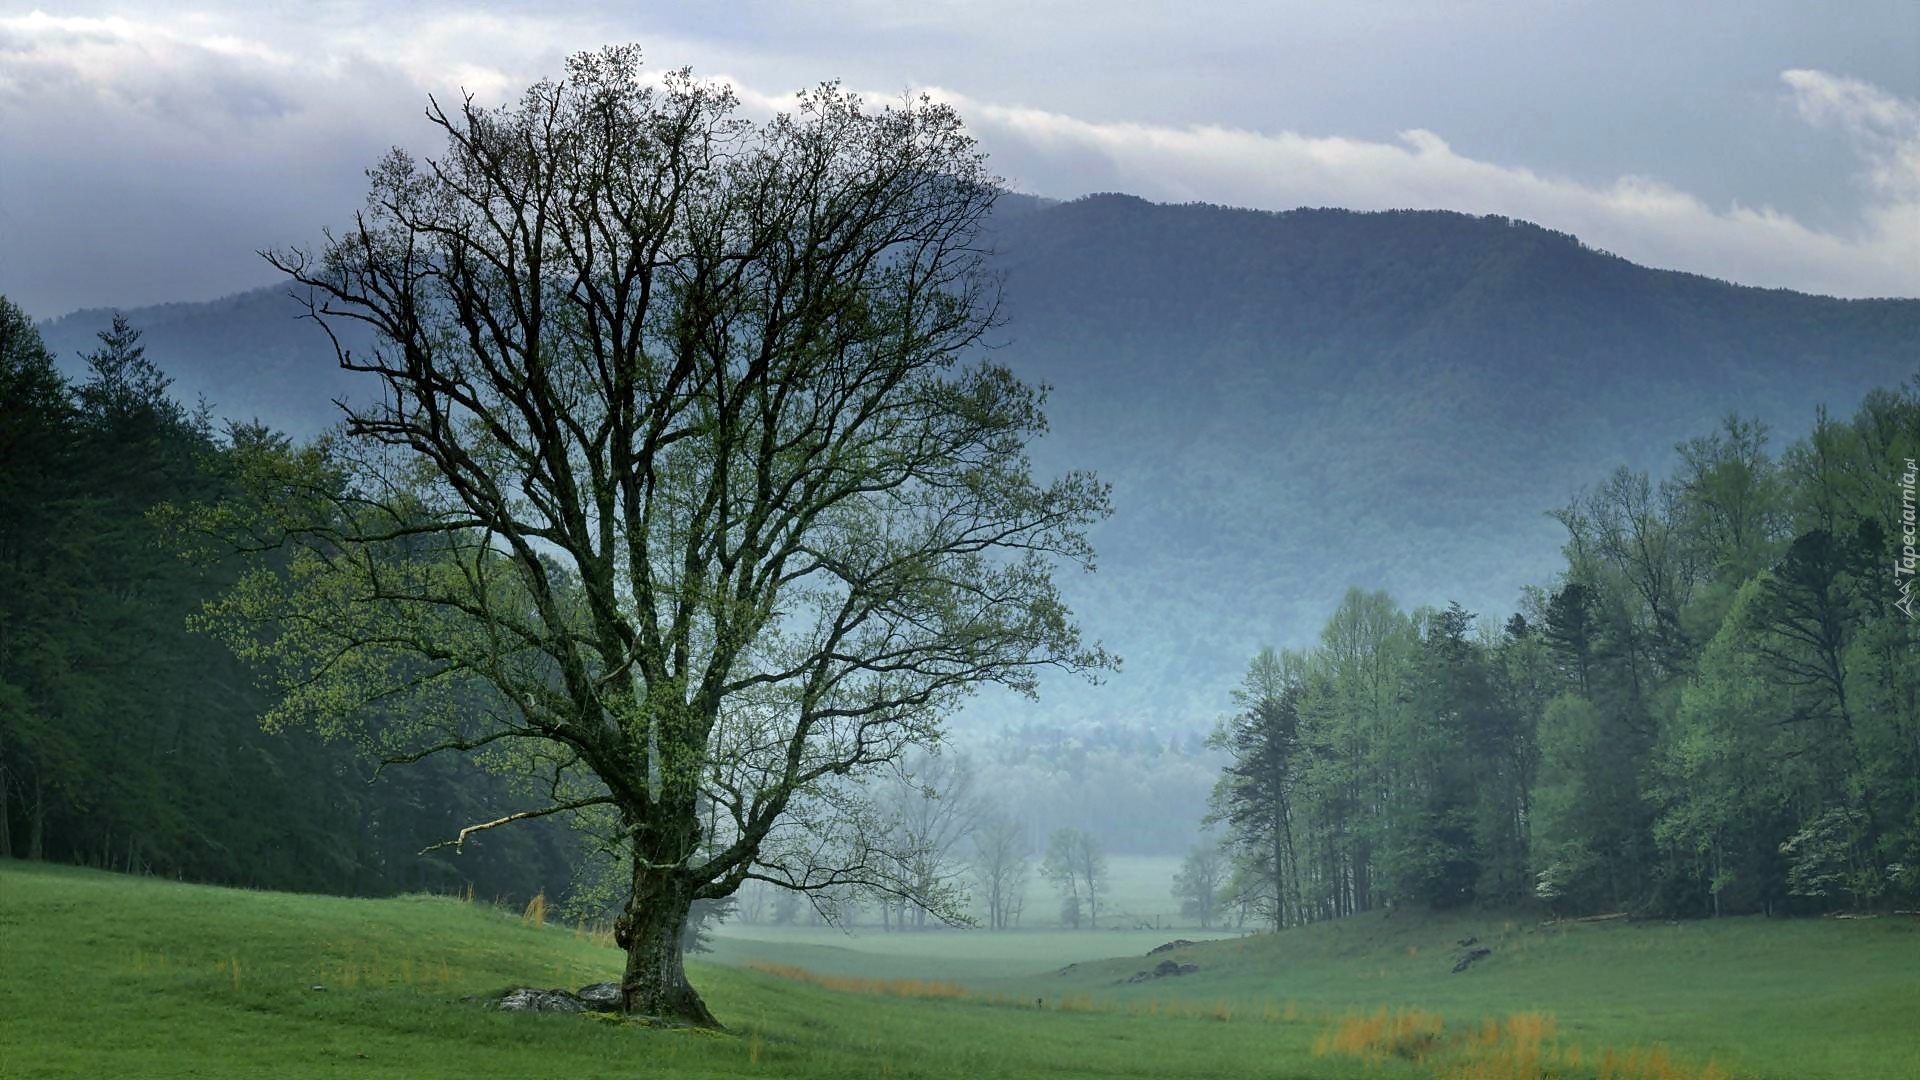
1286 404
1802 998
106 975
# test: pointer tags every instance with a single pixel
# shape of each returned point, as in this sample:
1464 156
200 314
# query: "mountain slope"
1286 404
1291 403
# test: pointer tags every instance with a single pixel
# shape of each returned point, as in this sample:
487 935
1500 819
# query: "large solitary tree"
675 494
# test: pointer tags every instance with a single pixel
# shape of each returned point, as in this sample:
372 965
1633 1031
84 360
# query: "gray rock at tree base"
1468 956
598 997
1179 943
601 997
529 999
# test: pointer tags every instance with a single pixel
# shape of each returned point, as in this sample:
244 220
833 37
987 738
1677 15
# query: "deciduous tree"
673 494
1077 867
1001 863
1198 882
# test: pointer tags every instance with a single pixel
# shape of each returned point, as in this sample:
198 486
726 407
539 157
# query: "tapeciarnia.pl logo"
1903 563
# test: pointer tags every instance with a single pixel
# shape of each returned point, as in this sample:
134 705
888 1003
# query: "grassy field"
970 956
1805 998
111 976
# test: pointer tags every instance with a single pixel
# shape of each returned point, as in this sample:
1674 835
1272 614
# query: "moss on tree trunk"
655 980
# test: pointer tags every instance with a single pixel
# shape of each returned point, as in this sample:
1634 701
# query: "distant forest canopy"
1285 403
1715 708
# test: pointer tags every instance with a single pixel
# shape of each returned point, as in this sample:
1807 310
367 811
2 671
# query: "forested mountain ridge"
1286 403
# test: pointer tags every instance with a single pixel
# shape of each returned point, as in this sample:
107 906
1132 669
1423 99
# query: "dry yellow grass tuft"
594 933
1520 1046
1402 1033
536 912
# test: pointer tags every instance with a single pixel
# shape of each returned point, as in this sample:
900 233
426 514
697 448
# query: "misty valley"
692 582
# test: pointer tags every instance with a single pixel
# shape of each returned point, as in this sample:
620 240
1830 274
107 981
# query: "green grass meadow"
109 976
974 957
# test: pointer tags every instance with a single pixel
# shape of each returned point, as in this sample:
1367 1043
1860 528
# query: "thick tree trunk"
655 982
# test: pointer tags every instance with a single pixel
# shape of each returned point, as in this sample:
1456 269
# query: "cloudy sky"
146 150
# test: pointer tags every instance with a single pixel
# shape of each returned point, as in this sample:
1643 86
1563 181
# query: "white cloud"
1884 129
262 126
77 86
1638 217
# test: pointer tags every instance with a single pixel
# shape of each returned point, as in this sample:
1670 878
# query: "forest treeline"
1715 709
129 742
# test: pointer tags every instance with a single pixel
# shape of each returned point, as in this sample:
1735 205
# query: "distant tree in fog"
1077 867
1000 867
1198 882
785 906
752 899
1245 895
935 807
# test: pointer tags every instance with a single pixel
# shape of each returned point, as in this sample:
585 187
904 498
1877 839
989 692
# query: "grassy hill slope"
104 975
1800 998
